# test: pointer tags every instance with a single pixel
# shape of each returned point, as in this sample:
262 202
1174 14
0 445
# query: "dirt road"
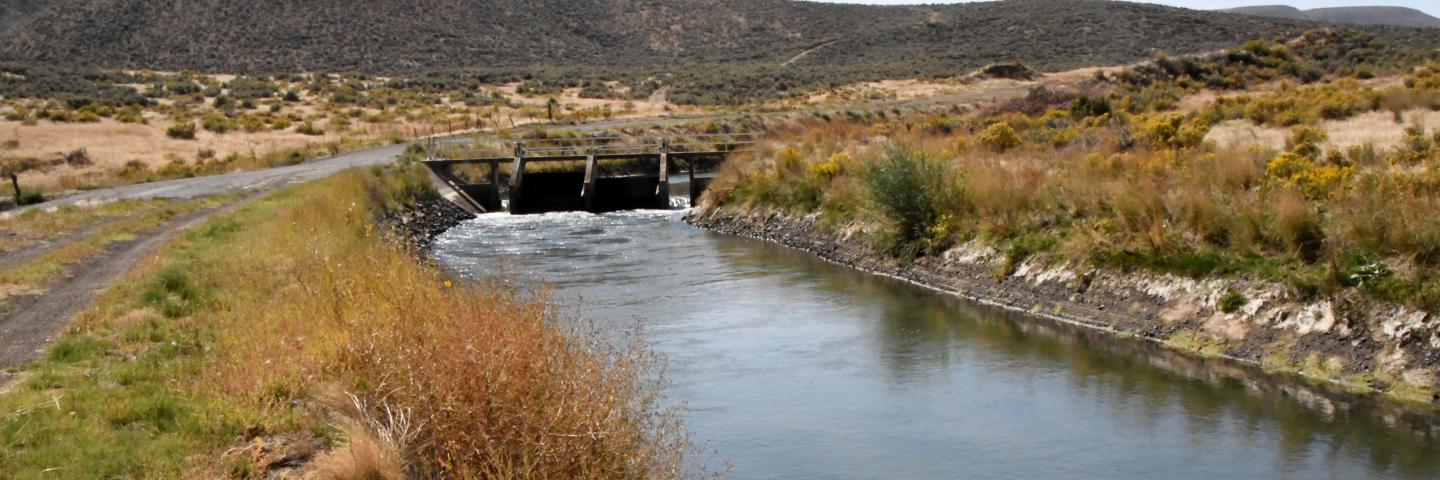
231 183
29 322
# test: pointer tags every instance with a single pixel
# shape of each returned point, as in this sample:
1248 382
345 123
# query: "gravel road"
230 183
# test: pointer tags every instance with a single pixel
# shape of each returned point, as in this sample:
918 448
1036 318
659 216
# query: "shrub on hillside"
911 190
308 128
1000 137
216 122
181 131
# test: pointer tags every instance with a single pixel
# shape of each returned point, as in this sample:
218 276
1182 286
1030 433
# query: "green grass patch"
56 263
109 398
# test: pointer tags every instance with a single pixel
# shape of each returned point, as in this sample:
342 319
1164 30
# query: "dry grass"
363 457
110 145
1314 210
570 100
35 226
257 322
495 384
1372 128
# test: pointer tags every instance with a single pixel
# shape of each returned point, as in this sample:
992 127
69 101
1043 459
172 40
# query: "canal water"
793 368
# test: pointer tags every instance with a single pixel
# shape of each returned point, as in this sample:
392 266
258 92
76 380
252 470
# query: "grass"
294 318
35 226
1131 188
55 263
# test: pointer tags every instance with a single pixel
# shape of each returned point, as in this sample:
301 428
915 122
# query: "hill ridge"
1356 15
396 36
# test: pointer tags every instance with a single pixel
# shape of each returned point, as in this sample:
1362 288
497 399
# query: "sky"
1431 7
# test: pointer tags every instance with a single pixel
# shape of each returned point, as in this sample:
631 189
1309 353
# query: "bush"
1086 107
30 198
215 122
76 158
911 190
181 131
1173 130
134 169
131 115
308 128
1000 137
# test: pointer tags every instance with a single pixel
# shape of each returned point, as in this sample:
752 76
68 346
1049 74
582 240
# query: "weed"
1232 301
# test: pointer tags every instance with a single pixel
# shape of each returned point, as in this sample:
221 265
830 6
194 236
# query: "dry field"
1374 128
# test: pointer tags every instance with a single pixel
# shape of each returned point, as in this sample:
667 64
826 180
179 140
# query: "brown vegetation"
1119 178
295 318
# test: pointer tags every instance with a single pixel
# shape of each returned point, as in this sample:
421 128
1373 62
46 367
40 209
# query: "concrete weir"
594 174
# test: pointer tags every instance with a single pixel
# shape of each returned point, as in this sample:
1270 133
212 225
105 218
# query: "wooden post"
587 192
495 181
662 189
517 177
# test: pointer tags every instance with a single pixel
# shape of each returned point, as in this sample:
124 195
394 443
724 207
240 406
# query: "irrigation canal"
793 368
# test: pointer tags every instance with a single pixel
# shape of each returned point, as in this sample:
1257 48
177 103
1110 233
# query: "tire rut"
31 322
23 255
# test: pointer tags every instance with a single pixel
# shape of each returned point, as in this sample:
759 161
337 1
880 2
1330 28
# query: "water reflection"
796 368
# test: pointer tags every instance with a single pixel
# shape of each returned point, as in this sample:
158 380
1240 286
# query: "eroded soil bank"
1360 346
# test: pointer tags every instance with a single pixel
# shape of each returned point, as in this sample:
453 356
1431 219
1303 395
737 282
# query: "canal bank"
1385 349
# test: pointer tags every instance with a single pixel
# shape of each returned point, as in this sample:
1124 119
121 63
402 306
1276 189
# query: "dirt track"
232 183
30 322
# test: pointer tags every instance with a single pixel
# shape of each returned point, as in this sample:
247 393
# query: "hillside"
394 36
14 13
1393 16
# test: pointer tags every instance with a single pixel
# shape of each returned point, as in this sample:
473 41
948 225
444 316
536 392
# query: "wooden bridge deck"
543 191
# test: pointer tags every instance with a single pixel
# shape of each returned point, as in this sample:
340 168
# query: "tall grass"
1134 190
295 317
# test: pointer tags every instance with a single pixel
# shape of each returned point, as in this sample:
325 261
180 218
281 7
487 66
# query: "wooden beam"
517 176
662 189
495 180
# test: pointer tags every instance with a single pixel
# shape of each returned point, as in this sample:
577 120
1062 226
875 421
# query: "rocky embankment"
418 225
1357 344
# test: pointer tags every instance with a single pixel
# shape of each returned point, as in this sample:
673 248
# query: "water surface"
793 368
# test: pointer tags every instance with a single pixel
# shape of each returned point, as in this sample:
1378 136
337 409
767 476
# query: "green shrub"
216 123
30 198
181 131
1085 107
1232 301
911 190
131 115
